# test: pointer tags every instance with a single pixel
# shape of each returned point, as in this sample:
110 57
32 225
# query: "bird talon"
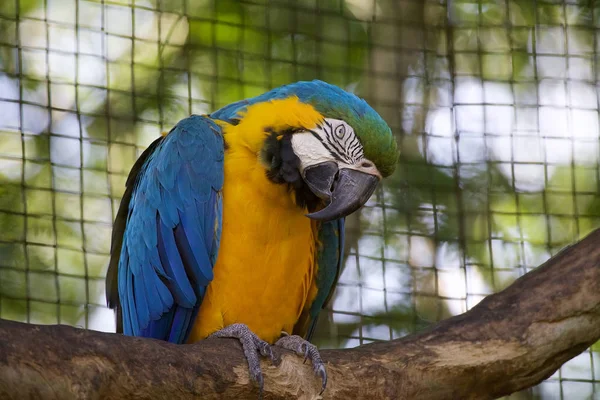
265 349
258 378
252 346
322 373
270 355
309 351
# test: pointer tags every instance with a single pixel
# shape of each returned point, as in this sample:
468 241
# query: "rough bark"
509 341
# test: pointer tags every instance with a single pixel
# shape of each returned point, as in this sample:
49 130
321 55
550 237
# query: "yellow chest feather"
264 275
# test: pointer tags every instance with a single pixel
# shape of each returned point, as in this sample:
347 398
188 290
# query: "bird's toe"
252 346
309 351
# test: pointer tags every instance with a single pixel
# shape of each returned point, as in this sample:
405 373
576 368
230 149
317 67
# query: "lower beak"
346 189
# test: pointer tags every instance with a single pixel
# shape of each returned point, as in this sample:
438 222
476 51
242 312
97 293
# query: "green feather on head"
379 144
375 135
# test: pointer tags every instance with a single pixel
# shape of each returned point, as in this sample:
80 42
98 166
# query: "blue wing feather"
156 327
181 320
196 254
132 321
171 236
173 265
329 261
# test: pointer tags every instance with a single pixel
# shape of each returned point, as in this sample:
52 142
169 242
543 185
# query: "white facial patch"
309 149
333 140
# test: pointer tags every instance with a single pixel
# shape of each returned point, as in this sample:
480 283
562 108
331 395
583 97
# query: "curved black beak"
320 178
346 189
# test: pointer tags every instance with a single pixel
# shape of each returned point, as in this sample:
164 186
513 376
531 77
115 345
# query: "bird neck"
261 138
259 121
282 167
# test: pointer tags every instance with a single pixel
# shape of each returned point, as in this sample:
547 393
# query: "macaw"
232 224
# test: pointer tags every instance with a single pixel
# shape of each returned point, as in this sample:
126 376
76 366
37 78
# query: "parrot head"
329 146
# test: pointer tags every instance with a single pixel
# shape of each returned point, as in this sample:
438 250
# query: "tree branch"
510 341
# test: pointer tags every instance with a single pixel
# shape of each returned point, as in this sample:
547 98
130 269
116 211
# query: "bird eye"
340 131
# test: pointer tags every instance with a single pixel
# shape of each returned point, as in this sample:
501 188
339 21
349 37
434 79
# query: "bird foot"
308 350
252 346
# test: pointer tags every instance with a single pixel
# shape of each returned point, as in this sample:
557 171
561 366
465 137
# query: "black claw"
309 351
322 372
271 356
261 384
251 345
265 350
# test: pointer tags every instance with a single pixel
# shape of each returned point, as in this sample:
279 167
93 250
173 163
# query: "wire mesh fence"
494 104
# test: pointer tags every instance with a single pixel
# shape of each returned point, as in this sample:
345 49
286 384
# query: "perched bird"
232 224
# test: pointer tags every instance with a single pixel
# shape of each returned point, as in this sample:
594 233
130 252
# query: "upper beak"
346 189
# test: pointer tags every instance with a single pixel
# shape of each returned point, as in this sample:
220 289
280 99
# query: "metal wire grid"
76 109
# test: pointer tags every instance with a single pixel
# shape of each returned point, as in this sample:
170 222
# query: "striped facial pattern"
339 140
332 140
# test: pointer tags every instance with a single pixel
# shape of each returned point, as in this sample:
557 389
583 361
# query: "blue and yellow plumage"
213 228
